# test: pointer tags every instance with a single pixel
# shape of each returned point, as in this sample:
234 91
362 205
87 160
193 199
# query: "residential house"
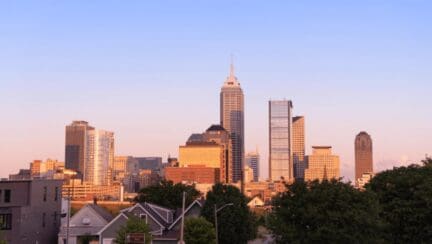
85 225
164 223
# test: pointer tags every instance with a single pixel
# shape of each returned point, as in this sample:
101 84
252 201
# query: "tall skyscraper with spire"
232 119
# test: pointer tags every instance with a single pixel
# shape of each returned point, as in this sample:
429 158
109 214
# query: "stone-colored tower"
232 119
363 155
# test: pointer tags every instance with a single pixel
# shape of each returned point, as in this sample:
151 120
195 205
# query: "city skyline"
155 84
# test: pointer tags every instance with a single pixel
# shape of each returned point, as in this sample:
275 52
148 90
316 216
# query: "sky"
151 72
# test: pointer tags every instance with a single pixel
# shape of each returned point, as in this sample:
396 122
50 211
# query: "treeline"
395 207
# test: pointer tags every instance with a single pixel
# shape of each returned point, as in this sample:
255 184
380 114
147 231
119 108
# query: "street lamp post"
216 210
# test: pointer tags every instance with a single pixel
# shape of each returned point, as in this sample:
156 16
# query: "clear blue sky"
151 71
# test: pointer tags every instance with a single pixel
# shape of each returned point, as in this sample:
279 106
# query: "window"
0 194
144 217
56 193
7 195
43 219
45 191
5 221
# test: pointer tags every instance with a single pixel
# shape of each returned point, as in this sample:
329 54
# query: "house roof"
101 211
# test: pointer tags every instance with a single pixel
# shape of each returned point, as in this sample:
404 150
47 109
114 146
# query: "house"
85 225
256 202
164 223
30 210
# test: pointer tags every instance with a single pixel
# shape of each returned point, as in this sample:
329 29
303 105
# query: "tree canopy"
167 194
236 224
199 231
405 196
133 225
325 212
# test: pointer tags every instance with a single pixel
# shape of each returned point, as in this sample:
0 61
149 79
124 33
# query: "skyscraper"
252 160
75 149
298 129
99 157
232 119
322 164
280 140
363 155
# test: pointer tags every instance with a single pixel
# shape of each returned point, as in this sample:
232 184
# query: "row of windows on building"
6 220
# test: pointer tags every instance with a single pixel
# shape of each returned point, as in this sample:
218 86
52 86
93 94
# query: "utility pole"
182 222
216 210
68 216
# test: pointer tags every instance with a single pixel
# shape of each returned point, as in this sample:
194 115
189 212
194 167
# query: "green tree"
133 225
405 196
325 212
167 194
199 231
236 224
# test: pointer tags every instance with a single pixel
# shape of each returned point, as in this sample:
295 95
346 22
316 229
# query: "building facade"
298 146
253 161
217 134
322 164
280 140
193 174
363 155
75 149
30 210
45 169
232 119
99 157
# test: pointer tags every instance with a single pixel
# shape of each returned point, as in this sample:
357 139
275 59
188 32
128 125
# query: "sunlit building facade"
232 119
298 146
99 157
363 155
75 149
322 164
280 146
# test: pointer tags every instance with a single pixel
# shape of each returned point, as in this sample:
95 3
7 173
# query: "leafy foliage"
236 224
133 225
168 194
199 231
405 195
325 212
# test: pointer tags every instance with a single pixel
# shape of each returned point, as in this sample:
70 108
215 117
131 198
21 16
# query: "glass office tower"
280 138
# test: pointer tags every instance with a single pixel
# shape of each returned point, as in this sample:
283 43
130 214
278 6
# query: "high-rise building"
75 149
322 164
363 155
99 158
280 138
232 119
217 134
252 160
298 146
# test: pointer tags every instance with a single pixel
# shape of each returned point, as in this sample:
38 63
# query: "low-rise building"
84 225
193 174
30 210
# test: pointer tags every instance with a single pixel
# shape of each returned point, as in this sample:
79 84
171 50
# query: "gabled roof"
101 211
197 201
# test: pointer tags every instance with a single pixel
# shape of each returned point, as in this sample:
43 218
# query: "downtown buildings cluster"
92 170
